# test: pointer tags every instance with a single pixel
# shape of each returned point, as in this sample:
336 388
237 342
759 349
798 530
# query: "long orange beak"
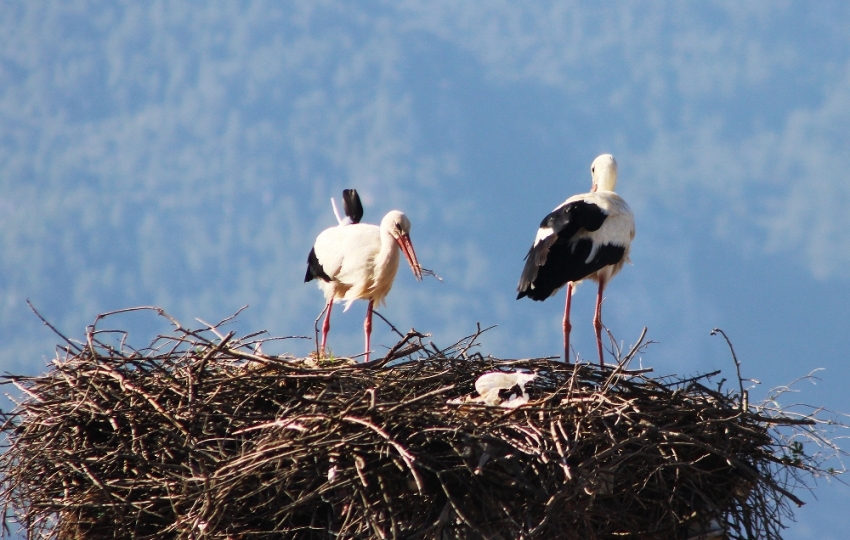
407 248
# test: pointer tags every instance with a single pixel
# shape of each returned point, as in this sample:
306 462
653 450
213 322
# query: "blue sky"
183 155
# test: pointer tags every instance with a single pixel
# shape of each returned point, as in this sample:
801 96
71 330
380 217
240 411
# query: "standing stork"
587 237
359 261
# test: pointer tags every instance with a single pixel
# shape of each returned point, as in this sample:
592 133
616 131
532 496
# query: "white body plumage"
365 268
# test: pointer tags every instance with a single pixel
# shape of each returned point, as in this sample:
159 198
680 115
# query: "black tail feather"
351 205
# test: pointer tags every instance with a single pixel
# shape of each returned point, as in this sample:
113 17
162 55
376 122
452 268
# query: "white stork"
505 389
586 237
359 262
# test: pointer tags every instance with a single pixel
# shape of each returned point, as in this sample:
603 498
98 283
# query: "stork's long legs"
367 326
326 326
597 321
567 326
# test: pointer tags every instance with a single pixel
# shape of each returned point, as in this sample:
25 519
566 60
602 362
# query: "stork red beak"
593 188
407 248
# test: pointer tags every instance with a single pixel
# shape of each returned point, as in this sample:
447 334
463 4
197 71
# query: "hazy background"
183 155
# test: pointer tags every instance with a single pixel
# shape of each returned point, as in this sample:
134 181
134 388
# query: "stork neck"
607 182
387 257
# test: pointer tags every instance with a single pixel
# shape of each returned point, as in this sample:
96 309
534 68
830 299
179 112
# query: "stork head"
398 226
603 170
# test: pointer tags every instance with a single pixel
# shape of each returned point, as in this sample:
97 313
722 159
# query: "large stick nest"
200 435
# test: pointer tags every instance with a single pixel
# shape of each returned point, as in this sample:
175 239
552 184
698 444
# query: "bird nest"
200 435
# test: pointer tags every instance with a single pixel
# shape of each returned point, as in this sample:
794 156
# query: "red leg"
597 321
326 326
567 326
367 326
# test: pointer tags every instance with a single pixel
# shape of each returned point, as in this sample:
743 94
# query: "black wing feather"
568 263
351 205
558 259
570 218
314 269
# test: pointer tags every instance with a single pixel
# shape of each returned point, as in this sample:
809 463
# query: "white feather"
341 220
542 234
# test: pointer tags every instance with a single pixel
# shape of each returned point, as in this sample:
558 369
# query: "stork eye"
592 170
